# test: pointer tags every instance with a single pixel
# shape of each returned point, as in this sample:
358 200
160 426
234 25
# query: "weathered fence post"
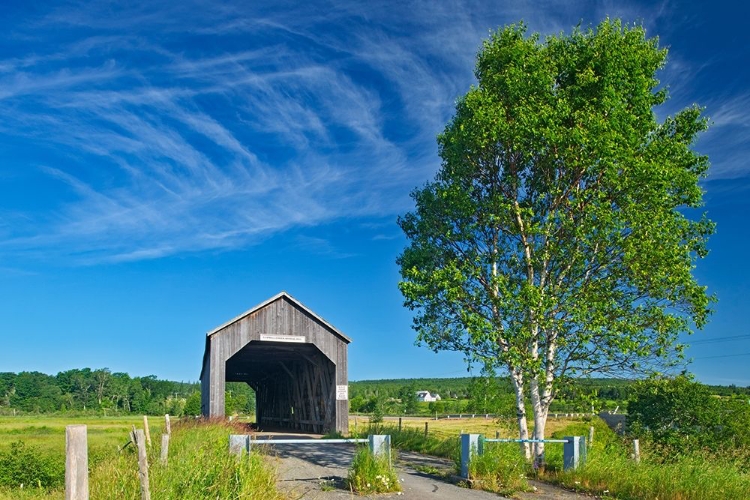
164 448
167 424
574 452
76 463
426 429
140 441
497 434
637 451
591 437
399 424
147 430
471 444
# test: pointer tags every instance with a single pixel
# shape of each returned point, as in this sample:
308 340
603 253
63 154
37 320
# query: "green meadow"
32 460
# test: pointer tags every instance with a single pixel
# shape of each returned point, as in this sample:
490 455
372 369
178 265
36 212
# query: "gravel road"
317 471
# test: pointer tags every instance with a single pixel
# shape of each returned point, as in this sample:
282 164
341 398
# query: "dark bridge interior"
294 384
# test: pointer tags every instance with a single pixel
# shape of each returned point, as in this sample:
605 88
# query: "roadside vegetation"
199 466
693 445
372 474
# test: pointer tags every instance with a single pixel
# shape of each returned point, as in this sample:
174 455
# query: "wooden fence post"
140 441
426 429
76 463
399 424
637 451
497 434
147 430
164 448
167 424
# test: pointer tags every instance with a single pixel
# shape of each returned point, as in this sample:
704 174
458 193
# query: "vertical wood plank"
164 449
147 430
76 463
140 441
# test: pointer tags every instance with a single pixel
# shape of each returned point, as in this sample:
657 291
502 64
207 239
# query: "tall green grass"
610 470
501 468
199 467
372 474
412 439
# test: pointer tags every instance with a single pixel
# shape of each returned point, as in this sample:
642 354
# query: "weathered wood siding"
311 379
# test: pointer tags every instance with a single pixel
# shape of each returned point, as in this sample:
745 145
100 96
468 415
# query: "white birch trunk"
542 395
540 419
516 377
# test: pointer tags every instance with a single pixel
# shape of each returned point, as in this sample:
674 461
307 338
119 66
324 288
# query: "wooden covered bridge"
294 360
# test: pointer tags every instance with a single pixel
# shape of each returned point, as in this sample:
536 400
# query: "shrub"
31 467
680 415
28 466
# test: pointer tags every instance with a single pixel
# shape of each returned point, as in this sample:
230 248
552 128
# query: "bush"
30 467
682 416
610 470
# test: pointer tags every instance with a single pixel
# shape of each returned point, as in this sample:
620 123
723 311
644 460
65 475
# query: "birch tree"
554 240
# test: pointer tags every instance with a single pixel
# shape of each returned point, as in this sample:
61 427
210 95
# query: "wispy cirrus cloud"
198 126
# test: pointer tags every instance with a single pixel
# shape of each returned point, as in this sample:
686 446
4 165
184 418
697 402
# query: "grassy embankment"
199 465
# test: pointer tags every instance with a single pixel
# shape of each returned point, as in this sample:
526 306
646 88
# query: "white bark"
516 377
542 394
540 418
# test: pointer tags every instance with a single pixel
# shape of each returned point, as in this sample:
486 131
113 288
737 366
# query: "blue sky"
168 165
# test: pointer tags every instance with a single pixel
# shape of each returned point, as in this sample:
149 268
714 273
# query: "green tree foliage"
554 241
239 399
683 415
408 398
193 404
92 390
488 394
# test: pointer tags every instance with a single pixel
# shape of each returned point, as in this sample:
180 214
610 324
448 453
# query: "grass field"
49 432
448 428
199 465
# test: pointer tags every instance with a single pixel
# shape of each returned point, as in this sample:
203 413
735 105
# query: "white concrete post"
380 445
574 452
238 444
471 445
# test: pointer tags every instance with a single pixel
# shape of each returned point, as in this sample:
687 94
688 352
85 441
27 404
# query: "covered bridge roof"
278 353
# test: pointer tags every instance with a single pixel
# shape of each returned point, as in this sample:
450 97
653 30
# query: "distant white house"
426 397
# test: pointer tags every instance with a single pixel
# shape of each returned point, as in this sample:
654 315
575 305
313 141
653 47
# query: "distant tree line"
93 390
488 393
101 391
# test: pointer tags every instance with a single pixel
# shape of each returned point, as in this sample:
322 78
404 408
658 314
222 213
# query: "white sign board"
282 338
342 392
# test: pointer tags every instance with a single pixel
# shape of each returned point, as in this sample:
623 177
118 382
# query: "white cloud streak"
195 126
